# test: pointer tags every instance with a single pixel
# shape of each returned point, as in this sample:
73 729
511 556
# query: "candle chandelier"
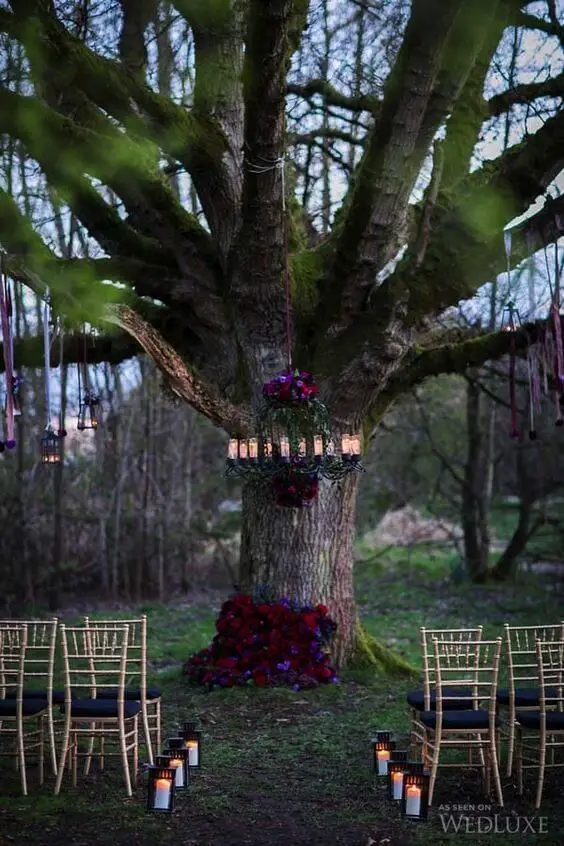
292 445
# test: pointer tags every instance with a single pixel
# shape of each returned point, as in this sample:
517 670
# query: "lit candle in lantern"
383 757
413 801
318 445
178 765
193 752
284 447
253 448
243 451
355 445
268 449
162 794
232 453
397 782
302 447
346 445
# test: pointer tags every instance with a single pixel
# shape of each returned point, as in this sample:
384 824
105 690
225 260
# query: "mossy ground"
285 767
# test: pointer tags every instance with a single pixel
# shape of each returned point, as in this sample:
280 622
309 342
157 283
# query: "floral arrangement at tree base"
263 641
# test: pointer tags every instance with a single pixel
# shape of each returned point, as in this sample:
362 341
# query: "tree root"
369 653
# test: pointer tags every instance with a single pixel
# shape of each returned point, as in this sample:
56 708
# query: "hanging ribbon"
534 387
62 430
514 432
8 349
47 361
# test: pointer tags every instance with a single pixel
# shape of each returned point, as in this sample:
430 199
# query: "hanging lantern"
88 411
382 747
179 756
192 737
160 795
16 400
51 444
510 319
415 798
293 446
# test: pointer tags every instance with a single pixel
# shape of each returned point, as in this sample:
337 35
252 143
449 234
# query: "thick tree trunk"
306 554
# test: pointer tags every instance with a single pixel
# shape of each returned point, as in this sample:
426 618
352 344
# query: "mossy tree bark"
207 302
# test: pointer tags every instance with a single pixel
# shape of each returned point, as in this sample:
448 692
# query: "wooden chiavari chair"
424 699
523 692
15 709
136 686
462 666
96 659
546 724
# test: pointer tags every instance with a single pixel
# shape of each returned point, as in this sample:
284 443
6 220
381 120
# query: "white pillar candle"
253 448
232 454
162 794
177 763
193 752
284 448
355 445
397 782
383 757
242 449
302 447
346 445
413 801
318 445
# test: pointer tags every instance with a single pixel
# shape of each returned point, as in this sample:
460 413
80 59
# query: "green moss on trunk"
370 654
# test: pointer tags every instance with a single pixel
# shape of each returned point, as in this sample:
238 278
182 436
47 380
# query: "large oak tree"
205 295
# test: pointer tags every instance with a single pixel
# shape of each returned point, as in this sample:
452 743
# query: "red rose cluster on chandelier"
295 490
291 386
266 643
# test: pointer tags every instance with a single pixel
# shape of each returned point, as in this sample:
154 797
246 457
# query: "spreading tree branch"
332 97
527 92
183 381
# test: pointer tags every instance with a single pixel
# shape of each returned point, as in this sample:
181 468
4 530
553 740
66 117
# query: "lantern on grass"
88 411
382 747
415 797
192 737
160 795
397 766
179 755
51 446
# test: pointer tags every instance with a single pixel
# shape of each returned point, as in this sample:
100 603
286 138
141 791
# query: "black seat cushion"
101 708
531 719
30 706
131 693
471 720
416 698
58 695
525 697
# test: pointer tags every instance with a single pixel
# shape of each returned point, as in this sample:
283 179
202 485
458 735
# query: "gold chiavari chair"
16 710
40 663
464 666
136 687
424 699
544 726
523 692
96 659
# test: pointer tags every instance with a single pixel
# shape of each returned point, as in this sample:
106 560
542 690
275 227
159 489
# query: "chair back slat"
458 639
473 666
550 659
521 651
94 659
137 646
13 644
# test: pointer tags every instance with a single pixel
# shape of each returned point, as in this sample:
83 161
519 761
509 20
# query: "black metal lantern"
192 737
88 411
51 447
160 795
510 319
382 747
179 762
415 797
397 766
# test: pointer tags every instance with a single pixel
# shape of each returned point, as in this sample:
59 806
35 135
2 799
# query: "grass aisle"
285 767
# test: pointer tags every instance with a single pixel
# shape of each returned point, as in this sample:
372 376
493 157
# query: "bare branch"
526 93
332 97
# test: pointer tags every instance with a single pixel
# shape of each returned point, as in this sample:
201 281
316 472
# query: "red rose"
322 609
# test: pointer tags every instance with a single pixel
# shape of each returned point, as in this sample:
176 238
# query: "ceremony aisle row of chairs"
105 694
459 704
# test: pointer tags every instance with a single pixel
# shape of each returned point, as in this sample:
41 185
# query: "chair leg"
519 756
41 755
147 732
158 718
495 766
125 760
542 763
89 754
510 745
51 730
434 766
21 759
74 757
136 751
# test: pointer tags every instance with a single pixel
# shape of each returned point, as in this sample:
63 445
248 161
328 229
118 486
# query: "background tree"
175 180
